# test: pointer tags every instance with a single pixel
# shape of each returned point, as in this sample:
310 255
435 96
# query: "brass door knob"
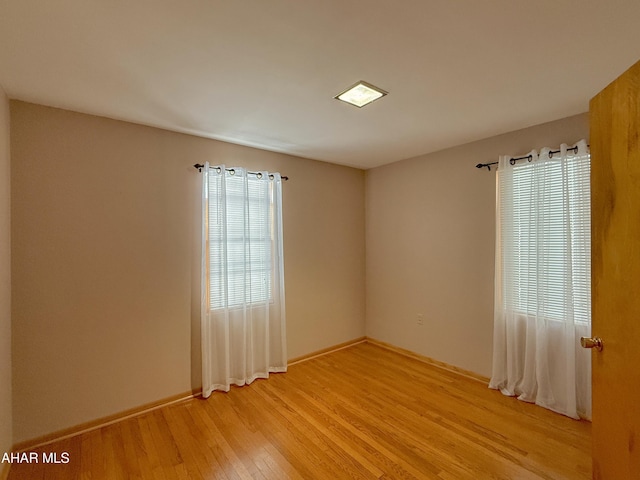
595 342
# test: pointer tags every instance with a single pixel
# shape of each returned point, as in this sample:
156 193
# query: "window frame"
517 296
265 267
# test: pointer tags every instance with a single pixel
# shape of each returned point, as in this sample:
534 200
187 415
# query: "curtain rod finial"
488 165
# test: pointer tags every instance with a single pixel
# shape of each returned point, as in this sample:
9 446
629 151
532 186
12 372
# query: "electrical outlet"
420 319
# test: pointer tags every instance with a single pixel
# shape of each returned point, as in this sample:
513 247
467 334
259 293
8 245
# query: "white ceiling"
264 72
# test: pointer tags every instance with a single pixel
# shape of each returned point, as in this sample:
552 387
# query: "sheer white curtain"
243 315
543 289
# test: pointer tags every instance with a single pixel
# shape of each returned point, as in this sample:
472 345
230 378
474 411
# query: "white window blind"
545 222
240 239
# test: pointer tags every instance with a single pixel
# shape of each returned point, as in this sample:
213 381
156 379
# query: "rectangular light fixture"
361 94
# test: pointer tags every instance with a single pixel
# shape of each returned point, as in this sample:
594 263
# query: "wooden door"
615 190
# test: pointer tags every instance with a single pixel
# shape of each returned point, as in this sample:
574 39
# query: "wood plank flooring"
359 413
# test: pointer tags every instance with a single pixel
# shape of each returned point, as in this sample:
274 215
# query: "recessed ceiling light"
361 94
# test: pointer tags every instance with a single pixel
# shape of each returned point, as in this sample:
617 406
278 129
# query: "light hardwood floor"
360 413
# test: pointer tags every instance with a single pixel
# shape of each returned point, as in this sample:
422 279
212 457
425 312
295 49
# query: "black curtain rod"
528 158
199 166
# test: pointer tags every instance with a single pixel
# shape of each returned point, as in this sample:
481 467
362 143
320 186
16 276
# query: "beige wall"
106 270
6 438
430 245
105 244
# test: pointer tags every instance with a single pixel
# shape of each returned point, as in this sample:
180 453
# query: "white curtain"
243 314
542 288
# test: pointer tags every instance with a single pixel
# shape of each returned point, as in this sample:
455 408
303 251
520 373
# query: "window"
240 239
546 237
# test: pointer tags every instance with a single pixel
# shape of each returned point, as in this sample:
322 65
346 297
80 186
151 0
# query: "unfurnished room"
276 239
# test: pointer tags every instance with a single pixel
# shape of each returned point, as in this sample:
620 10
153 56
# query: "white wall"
6 436
106 268
430 232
